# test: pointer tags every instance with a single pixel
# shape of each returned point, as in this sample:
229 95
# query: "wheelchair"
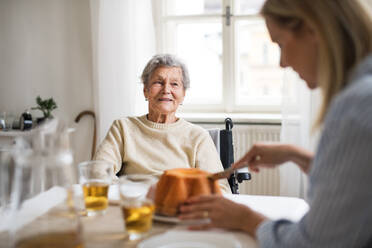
226 151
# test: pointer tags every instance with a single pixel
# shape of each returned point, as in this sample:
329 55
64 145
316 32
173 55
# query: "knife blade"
222 174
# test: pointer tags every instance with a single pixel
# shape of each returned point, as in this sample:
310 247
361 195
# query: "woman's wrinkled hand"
264 155
222 212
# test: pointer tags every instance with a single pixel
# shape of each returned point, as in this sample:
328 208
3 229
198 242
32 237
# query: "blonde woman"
329 44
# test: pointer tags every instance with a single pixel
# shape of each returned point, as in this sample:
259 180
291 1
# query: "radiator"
267 181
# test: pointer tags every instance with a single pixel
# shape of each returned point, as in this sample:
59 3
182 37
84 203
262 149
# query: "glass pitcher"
44 213
6 173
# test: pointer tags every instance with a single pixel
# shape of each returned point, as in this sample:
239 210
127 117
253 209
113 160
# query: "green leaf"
46 106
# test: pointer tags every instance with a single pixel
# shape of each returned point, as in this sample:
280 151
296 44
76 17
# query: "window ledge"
242 118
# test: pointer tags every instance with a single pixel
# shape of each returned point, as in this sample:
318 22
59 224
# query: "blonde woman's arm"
272 155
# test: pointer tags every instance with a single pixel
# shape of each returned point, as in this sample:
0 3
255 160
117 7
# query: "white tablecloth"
112 223
274 207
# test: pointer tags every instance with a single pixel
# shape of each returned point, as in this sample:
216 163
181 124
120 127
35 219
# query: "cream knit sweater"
146 147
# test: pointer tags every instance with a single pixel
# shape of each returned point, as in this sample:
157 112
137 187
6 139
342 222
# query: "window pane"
194 7
259 79
200 45
246 7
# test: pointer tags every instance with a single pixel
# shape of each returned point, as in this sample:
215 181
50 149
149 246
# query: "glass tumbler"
2 120
95 178
9 120
137 207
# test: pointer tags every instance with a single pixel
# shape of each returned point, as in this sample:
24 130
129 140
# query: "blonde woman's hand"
264 155
271 155
222 212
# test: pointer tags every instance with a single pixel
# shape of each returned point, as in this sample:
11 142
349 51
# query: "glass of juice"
95 178
136 205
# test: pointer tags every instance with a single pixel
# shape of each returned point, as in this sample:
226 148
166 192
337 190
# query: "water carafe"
44 213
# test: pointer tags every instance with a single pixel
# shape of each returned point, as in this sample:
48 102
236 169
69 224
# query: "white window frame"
230 60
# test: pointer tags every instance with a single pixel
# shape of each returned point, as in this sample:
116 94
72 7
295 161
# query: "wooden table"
100 231
108 230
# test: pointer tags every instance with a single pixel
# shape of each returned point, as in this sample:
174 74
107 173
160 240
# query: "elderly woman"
159 140
329 44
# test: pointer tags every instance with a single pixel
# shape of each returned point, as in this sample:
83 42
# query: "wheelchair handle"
228 124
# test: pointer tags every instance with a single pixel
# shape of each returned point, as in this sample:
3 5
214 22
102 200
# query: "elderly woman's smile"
165 99
165 92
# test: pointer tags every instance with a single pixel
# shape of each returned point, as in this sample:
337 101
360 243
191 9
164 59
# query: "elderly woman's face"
298 50
165 90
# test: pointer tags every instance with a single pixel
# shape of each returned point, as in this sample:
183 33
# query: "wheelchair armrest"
243 175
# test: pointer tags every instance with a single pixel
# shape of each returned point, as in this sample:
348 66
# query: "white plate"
166 219
175 220
191 239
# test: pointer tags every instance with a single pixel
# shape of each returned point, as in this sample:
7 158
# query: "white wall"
45 49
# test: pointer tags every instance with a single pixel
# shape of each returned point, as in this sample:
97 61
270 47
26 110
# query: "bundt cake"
177 185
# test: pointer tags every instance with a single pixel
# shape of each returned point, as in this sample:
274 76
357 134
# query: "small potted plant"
46 106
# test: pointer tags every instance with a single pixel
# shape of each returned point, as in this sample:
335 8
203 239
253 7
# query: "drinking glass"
136 206
9 119
95 178
2 120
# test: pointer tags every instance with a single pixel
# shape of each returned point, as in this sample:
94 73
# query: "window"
233 65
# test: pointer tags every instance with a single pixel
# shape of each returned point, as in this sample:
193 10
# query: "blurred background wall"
45 49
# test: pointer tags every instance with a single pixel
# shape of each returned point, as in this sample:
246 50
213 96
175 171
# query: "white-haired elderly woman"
159 140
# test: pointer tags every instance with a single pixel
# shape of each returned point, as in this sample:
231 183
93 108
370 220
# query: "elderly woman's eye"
175 84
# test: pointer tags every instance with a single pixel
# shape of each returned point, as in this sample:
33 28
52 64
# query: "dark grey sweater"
340 189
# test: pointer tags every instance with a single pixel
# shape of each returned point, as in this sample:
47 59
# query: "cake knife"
222 174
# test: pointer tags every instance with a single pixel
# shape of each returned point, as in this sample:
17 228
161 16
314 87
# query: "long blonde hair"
344 28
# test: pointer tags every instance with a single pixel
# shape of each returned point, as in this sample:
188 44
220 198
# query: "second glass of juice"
137 207
95 178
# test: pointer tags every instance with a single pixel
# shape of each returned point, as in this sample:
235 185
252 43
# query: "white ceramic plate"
175 220
166 219
191 239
